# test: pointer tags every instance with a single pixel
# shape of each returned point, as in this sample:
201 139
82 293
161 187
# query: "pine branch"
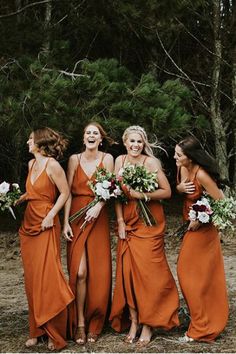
25 8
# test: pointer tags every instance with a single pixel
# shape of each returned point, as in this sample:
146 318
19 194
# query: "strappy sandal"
80 335
92 337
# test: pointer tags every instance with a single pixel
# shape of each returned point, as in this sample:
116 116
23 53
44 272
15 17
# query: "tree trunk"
217 121
47 25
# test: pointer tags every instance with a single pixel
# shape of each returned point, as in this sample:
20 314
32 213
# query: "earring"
100 143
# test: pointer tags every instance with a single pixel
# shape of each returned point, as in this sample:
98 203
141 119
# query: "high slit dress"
143 278
95 239
47 290
200 270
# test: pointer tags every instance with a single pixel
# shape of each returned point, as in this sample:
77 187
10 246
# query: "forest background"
169 66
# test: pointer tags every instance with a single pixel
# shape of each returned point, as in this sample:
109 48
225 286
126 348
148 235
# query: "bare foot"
130 337
31 342
50 344
145 336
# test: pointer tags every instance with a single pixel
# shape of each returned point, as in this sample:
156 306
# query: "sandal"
129 339
80 335
92 337
141 343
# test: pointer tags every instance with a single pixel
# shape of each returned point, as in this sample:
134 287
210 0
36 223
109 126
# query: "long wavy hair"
49 142
193 149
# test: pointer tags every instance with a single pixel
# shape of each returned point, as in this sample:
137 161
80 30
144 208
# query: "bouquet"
104 186
9 194
220 212
139 179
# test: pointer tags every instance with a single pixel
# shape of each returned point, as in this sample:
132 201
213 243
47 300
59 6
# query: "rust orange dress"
47 291
95 238
143 279
201 276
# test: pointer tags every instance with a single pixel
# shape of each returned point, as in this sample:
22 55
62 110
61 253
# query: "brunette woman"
200 264
46 288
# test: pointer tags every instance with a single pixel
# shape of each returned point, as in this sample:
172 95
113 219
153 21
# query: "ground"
13 305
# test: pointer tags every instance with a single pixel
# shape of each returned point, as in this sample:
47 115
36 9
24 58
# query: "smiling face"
32 146
134 144
180 158
92 137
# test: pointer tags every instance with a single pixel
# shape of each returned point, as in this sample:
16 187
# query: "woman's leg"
133 327
80 299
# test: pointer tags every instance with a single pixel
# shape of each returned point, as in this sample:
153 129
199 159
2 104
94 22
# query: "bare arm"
118 206
72 165
209 185
57 175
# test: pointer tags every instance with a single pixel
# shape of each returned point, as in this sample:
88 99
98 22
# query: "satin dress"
143 278
95 238
47 290
201 275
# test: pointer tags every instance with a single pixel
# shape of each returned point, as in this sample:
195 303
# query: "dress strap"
103 155
79 158
47 163
145 158
123 160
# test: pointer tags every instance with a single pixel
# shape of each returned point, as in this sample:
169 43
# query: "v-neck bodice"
80 184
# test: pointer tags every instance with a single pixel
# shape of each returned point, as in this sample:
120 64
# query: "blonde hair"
49 142
139 130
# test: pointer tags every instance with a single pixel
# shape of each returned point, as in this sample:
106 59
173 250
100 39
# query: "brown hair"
50 142
102 131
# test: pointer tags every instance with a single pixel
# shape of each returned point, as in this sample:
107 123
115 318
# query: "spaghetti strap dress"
143 278
95 238
200 270
47 291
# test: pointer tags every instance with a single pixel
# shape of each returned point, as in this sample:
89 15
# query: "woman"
46 288
200 264
145 291
89 257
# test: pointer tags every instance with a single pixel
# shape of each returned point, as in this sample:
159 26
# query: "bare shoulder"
153 164
119 159
74 158
203 176
53 165
30 163
108 158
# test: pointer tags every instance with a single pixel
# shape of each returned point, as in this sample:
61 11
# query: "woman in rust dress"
145 291
89 255
200 264
46 288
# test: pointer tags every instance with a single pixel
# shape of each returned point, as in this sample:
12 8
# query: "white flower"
117 191
15 186
4 187
106 184
192 215
98 188
203 217
105 194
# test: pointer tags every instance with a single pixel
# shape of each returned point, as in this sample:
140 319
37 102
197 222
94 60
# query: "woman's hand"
186 187
135 194
93 212
21 199
121 229
47 222
67 232
194 225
